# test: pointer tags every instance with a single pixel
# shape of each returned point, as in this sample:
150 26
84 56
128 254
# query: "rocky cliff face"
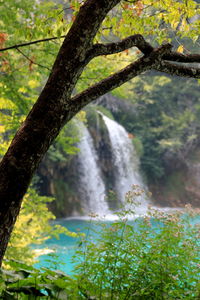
193 178
60 179
179 186
102 145
181 183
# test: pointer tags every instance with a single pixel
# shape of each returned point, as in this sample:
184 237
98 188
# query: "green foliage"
104 111
157 18
104 66
64 146
93 116
32 227
26 283
25 70
138 146
166 121
154 257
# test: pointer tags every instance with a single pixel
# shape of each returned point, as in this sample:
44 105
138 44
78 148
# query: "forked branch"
138 41
104 86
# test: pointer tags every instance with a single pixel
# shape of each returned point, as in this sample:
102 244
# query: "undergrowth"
152 257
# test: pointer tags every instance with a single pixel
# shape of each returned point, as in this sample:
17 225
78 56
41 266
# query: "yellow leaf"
22 90
81 116
33 83
174 24
180 49
2 129
6 103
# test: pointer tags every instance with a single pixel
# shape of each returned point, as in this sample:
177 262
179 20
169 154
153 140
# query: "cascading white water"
92 187
125 161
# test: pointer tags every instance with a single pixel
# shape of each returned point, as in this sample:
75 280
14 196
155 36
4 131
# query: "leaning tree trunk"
51 111
55 106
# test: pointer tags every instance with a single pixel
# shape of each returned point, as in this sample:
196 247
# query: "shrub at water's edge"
157 257
154 257
32 227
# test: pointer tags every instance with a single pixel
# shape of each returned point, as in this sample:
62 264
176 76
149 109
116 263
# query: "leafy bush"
154 257
26 283
137 143
32 227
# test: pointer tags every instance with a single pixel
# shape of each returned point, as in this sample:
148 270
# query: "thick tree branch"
141 65
175 69
184 58
138 41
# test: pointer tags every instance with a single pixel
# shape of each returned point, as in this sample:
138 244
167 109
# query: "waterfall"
125 161
125 165
91 185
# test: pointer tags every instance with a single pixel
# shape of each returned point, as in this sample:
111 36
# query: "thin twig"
29 59
31 43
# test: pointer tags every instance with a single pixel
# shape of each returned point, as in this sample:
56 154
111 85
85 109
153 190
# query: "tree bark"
48 115
55 107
